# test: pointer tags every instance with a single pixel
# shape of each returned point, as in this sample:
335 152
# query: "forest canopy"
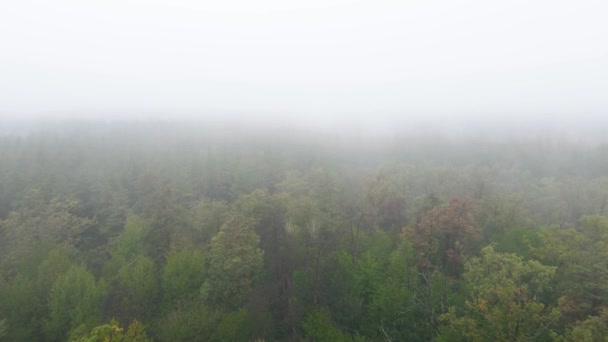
155 231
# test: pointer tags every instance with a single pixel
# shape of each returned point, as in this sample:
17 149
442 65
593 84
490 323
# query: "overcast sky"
283 59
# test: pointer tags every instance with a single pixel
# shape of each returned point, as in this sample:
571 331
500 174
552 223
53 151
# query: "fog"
316 62
319 170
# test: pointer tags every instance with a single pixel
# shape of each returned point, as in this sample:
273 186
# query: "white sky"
312 58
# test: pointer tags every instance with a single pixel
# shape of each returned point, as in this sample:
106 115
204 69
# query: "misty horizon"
323 62
322 170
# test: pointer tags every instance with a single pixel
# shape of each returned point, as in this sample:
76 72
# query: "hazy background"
319 62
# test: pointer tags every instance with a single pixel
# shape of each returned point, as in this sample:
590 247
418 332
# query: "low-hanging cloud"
310 60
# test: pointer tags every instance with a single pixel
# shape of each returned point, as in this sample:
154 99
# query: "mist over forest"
193 230
316 171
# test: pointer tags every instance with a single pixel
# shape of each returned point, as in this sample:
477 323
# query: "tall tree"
235 261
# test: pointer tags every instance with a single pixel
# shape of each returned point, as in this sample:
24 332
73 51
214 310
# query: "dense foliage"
138 232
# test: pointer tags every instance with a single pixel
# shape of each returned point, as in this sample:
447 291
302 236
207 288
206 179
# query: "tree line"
139 232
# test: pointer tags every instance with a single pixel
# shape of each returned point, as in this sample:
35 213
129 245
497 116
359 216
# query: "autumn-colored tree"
445 236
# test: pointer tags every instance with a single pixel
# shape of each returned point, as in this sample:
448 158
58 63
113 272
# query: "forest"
158 231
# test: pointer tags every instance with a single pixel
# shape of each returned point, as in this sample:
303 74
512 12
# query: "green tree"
136 333
183 275
56 222
3 329
207 218
127 246
235 260
188 321
163 216
384 205
129 243
317 326
112 332
354 285
357 286
505 300
138 288
592 329
580 257
57 262
499 215
399 300
22 308
235 326
75 300
268 213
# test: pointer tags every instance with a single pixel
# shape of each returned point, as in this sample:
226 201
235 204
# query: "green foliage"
254 205
592 329
189 321
380 245
359 290
398 301
391 312
57 263
208 217
38 223
504 301
384 203
317 326
22 308
3 328
580 256
112 332
498 215
129 244
235 326
138 287
75 299
55 221
136 333
237 236
350 284
235 260
521 241
126 247
183 275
